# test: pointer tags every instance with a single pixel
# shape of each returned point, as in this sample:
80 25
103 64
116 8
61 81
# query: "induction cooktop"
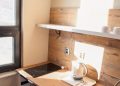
42 69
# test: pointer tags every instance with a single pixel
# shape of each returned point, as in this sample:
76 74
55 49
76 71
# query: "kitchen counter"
42 80
51 79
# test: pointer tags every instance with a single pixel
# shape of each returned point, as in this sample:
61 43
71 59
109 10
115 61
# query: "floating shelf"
57 27
78 30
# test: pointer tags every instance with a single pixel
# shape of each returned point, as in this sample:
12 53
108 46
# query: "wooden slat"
58 15
108 80
58 46
114 18
101 41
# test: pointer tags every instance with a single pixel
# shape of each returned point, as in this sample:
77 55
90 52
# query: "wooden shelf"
78 30
57 27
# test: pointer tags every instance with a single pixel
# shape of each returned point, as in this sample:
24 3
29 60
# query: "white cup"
105 29
116 30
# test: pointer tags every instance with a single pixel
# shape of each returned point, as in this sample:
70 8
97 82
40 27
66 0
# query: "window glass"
7 13
6 50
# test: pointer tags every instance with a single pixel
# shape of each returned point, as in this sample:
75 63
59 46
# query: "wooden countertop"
44 80
51 79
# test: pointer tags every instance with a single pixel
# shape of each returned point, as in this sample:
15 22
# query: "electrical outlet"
67 51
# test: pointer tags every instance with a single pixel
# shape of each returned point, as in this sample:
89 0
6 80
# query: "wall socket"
67 51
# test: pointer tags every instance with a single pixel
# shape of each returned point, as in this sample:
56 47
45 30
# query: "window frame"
15 32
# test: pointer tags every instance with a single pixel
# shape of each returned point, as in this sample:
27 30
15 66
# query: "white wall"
65 3
35 40
76 3
117 4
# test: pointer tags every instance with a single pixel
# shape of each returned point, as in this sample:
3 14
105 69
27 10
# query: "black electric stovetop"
42 69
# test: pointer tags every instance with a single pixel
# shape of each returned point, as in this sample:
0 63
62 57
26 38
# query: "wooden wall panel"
111 62
59 45
58 15
101 41
110 70
108 80
114 18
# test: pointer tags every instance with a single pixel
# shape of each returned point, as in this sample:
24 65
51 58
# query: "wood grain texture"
59 45
58 15
114 18
111 60
110 69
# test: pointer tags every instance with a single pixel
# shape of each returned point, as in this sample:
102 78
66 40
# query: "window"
6 50
7 12
10 35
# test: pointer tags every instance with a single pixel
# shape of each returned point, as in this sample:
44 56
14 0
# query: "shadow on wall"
9 79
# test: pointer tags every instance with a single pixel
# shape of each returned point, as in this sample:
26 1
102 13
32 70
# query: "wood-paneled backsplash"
114 18
63 16
110 67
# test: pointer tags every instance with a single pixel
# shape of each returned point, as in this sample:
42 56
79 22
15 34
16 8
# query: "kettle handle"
85 67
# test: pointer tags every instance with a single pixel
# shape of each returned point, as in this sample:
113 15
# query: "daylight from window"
93 55
93 14
7 12
6 50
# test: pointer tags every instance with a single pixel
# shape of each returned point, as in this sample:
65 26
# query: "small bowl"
116 30
105 29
